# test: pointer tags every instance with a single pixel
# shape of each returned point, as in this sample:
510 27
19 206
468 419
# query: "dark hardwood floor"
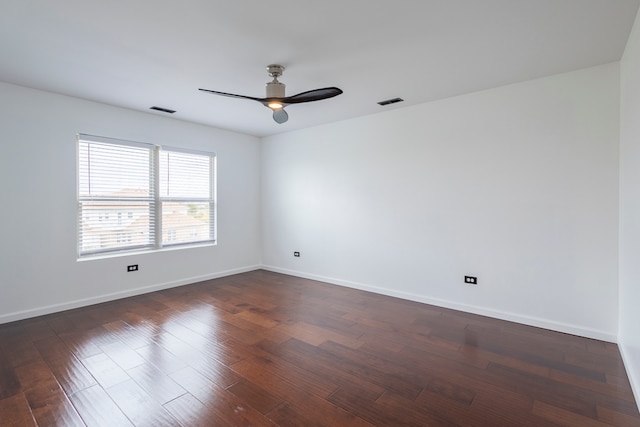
264 349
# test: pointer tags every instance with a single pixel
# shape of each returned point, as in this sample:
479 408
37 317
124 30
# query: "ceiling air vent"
390 101
164 110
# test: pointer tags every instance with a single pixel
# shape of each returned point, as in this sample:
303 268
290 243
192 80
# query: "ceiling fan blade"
280 116
233 95
312 95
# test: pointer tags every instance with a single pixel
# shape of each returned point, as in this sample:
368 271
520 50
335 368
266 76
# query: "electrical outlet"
471 280
296 254
131 268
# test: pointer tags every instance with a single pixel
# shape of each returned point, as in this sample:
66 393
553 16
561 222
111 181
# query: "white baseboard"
632 371
512 317
26 314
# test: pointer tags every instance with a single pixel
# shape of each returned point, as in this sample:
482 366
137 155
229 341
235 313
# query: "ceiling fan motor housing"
275 89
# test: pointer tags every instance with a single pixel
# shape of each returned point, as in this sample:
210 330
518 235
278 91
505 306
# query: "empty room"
362 213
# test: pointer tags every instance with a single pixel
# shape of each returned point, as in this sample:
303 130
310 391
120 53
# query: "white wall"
629 338
39 270
516 185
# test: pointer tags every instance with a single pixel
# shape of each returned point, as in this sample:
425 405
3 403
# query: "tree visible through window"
141 196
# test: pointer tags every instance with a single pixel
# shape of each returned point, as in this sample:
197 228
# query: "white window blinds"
140 196
186 195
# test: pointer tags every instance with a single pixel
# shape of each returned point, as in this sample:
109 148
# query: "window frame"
154 199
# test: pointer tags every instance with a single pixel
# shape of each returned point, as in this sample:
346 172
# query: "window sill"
127 253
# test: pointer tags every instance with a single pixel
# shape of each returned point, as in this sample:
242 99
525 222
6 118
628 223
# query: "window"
129 192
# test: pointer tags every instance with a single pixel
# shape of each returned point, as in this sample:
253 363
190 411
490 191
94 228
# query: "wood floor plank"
19 353
15 412
70 373
206 339
190 412
580 400
383 412
185 329
242 351
139 406
481 357
564 417
399 377
106 372
299 390
124 356
285 373
203 363
133 336
316 335
478 414
609 365
308 400
450 391
48 402
220 403
98 409
547 390
36 328
325 411
52 348
616 418
616 392
161 358
520 406
156 383
81 344
286 415
258 318
9 383
245 331
255 396
324 377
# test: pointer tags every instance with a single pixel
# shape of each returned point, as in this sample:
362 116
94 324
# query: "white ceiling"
141 53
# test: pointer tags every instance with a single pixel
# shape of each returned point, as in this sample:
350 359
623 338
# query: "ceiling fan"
276 100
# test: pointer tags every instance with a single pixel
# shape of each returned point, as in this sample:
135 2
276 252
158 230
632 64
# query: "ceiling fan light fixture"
275 89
